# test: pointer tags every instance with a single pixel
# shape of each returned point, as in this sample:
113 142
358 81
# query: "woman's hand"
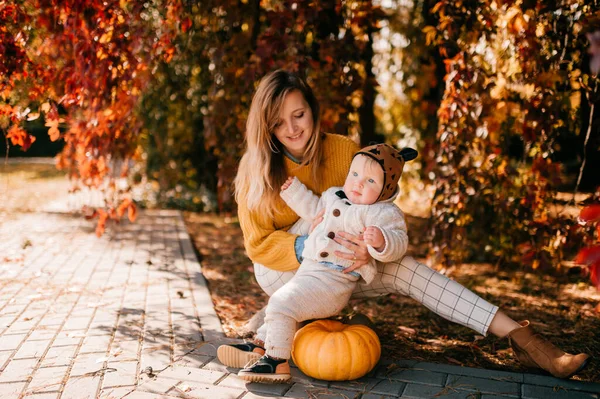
358 250
318 219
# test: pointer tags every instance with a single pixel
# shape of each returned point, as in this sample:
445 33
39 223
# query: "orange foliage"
90 61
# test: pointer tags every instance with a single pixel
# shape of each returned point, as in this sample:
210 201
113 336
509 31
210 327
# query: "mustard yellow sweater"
266 239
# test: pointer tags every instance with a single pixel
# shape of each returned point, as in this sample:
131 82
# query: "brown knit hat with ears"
392 162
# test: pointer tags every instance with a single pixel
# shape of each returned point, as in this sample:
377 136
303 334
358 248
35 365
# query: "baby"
320 288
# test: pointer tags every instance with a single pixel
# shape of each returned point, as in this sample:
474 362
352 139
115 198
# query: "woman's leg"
435 291
271 280
502 325
454 302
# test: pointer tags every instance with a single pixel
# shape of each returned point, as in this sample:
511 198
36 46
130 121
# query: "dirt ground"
562 306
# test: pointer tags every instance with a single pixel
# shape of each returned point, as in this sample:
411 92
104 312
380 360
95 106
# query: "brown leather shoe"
533 350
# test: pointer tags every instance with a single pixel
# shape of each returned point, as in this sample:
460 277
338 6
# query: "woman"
283 139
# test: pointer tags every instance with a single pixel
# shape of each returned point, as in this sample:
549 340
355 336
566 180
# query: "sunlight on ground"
29 186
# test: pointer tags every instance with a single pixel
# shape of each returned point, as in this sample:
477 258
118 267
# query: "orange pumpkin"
333 351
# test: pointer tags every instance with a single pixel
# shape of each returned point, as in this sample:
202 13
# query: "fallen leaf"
452 360
407 330
184 388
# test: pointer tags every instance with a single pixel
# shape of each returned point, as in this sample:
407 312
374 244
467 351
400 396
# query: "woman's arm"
265 244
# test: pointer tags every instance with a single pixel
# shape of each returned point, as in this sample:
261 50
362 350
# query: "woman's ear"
408 154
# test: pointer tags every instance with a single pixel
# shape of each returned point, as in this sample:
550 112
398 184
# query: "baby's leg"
315 292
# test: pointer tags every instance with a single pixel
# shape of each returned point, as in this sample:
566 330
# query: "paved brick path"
129 315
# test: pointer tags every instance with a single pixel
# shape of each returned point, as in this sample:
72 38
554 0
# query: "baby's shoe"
267 370
239 355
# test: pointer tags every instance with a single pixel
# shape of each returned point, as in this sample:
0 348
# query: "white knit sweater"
342 215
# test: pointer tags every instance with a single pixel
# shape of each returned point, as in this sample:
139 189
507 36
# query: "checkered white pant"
437 292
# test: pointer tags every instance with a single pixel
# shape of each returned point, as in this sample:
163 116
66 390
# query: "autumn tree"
512 85
226 48
83 65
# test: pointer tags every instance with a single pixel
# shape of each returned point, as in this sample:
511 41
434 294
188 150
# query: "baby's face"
364 181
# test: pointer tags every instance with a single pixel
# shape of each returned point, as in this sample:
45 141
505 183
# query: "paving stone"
558 392
77 323
95 343
4 356
208 349
23 326
216 365
45 395
187 374
157 359
159 385
18 370
47 379
364 384
32 349
427 377
81 388
202 391
125 350
6 320
87 363
571 385
233 381
11 390
116 393
429 391
251 395
300 377
68 338
41 334
120 373
51 320
193 360
484 385
376 396
388 387
393 367
310 391
11 341
146 395
59 356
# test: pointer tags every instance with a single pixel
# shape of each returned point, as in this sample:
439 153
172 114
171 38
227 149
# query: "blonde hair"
261 171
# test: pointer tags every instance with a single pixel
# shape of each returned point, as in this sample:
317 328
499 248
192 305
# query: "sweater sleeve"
265 244
302 201
390 220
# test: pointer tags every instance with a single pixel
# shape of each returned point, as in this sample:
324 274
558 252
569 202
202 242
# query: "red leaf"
132 212
588 255
20 137
590 213
101 226
186 24
595 274
123 207
53 132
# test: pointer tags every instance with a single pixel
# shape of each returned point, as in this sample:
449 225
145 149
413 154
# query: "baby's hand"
287 183
374 237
